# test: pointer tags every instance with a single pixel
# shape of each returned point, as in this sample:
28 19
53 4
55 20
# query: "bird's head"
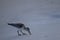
27 29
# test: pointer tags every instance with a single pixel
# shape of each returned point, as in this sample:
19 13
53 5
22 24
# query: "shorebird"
20 27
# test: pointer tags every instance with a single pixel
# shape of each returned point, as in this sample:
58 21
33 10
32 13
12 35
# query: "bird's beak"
29 32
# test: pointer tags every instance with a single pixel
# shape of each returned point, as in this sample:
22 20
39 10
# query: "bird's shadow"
13 37
16 37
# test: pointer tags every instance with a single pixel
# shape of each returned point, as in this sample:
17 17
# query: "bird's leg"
18 33
22 32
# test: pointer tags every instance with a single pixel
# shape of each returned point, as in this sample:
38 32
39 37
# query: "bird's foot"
24 34
19 34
